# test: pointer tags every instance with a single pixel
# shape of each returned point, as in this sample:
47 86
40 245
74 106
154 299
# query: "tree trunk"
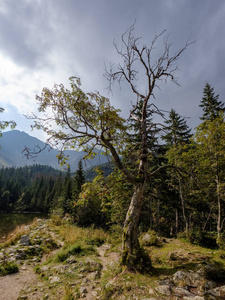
183 207
219 212
132 254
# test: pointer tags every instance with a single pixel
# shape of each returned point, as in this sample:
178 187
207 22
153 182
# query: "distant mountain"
13 142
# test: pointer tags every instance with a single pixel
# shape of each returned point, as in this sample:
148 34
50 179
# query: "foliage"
177 130
8 268
215 272
150 238
203 239
38 188
5 124
210 104
75 249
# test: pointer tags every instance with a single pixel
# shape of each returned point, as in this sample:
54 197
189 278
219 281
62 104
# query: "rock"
217 292
94 294
183 292
54 279
164 289
24 240
71 260
209 285
182 279
92 265
109 284
44 268
83 290
193 298
146 238
151 291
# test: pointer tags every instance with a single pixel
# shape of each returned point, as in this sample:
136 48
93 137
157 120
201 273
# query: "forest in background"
187 201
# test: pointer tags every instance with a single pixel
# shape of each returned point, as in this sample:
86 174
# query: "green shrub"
215 272
116 231
97 241
8 268
150 238
56 216
221 241
72 250
203 239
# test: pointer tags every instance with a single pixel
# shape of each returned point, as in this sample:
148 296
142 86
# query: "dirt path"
107 258
11 285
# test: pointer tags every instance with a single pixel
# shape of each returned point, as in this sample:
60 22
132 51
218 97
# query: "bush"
96 241
150 238
56 216
116 231
203 239
72 250
8 268
215 272
221 241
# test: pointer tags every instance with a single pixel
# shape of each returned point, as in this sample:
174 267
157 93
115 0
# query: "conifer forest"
188 201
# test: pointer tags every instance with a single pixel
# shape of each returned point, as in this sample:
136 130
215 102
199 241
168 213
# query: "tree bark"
132 254
183 207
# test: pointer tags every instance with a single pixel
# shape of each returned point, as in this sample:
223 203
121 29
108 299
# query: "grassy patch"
8 268
75 249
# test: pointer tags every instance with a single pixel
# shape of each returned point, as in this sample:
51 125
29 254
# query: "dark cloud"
76 38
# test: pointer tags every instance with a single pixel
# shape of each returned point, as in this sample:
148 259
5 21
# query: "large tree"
177 132
88 120
210 104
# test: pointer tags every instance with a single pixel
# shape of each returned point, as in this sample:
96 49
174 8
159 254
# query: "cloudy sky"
43 42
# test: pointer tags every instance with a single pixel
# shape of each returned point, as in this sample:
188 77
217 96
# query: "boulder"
24 240
187 279
164 289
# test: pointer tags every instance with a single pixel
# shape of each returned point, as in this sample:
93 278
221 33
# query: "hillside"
13 142
67 262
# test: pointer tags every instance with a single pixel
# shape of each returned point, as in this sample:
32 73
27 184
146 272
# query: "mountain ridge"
13 143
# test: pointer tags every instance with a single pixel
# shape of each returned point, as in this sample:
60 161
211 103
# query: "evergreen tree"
210 104
177 133
176 129
79 179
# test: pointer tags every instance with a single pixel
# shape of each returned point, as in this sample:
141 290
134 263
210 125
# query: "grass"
115 281
72 234
8 268
14 236
75 249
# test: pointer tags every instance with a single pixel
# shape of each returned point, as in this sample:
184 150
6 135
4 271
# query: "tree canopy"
88 120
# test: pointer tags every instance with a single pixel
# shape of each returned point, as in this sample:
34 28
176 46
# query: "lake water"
9 221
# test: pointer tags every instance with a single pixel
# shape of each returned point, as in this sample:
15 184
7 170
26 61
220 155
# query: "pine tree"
210 104
177 133
177 130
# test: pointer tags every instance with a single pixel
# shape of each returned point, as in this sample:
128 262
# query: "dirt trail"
11 285
107 258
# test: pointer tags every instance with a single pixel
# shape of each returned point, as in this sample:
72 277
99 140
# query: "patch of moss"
8 268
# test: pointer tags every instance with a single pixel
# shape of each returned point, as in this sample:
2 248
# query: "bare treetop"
137 59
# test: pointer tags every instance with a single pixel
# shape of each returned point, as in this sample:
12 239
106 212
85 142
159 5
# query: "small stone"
164 289
24 240
183 292
94 294
83 290
54 279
